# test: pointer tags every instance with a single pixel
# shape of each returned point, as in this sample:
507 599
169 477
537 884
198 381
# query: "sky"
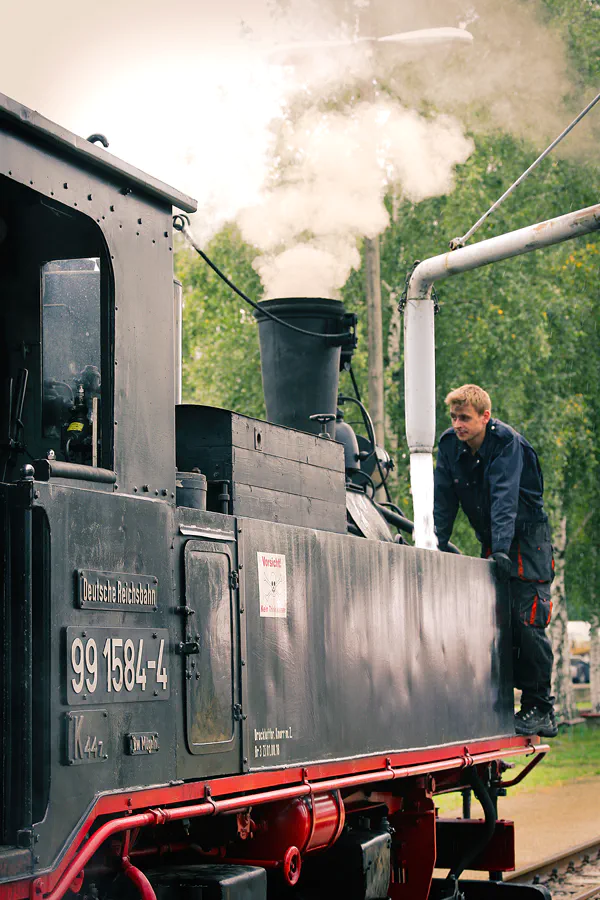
192 93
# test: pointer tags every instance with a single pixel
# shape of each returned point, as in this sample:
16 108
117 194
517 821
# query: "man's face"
468 424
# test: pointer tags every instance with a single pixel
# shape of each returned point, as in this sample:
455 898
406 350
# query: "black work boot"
533 721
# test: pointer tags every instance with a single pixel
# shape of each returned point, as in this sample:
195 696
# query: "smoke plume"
358 122
336 169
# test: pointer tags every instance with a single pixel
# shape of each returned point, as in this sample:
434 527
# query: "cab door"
213 711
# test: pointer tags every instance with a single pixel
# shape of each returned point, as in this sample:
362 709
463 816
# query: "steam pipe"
161 816
419 340
137 877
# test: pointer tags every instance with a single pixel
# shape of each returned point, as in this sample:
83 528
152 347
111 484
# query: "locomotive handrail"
45 469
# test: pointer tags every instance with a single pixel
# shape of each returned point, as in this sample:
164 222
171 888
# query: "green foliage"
578 21
526 329
221 357
574 755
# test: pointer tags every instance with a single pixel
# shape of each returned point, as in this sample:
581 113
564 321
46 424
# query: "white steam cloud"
301 155
337 169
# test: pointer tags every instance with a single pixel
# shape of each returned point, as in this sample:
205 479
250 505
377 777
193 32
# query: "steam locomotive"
220 674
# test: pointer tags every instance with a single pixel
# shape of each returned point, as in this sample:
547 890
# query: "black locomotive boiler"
206 682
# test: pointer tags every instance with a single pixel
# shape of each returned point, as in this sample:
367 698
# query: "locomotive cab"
54 278
86 412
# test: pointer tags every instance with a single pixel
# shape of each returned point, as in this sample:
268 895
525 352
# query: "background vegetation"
526 329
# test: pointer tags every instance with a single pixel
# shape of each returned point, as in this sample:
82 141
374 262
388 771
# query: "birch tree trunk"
562 686
595 664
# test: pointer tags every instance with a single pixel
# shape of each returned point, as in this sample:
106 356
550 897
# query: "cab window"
71 358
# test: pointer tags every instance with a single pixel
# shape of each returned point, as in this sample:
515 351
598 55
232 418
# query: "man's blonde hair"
470 393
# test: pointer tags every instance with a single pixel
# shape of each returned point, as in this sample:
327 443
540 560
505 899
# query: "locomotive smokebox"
300 372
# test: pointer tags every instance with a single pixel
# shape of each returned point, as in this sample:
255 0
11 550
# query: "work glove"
503 566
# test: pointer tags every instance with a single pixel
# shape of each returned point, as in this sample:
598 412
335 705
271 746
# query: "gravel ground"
548 821
552 820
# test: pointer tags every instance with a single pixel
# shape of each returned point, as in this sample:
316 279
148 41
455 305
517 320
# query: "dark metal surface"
356 867
215 881
66 143
271 472
368 647
300 373
367 517
46 469
17 695
60 209
456 837
93 530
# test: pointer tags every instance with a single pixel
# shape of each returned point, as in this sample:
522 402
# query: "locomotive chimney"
300 372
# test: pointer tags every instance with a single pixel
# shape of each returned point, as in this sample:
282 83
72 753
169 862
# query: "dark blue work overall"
500 488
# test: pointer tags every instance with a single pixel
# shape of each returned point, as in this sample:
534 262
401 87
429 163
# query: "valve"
323 419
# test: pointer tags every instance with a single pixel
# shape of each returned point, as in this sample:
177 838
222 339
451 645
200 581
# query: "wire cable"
458 242
370 431
181 222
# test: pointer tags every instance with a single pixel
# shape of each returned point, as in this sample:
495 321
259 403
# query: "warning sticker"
272 585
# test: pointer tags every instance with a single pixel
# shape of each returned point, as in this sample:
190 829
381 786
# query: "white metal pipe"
514 243
419 374
419 337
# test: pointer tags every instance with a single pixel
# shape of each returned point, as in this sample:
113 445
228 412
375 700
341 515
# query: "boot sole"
540 732
526 732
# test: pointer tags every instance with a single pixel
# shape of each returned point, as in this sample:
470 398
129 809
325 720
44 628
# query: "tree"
221 356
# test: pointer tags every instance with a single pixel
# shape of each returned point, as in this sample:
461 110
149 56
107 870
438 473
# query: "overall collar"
463 451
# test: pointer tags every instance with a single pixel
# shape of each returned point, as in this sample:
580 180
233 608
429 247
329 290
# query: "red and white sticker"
272 585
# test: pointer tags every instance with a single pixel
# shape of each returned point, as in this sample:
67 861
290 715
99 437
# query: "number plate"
88 737
107 665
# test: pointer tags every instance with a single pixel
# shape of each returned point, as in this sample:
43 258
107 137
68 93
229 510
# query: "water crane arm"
419 342
504 246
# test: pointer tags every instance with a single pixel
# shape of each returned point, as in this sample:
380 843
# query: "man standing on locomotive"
494 474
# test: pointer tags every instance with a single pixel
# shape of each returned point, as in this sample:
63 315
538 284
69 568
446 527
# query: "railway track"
574 875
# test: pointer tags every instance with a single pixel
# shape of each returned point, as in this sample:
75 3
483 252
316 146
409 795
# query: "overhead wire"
458 242
181 223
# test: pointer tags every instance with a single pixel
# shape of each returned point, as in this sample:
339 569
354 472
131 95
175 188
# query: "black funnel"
301 373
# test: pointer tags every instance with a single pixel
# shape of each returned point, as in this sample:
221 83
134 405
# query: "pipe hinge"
238 713
234 580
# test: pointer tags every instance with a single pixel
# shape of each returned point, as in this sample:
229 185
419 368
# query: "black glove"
503 566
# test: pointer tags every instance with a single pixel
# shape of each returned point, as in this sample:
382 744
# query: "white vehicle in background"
579 639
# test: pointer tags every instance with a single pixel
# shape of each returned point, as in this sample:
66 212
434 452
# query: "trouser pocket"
532 605
532 554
